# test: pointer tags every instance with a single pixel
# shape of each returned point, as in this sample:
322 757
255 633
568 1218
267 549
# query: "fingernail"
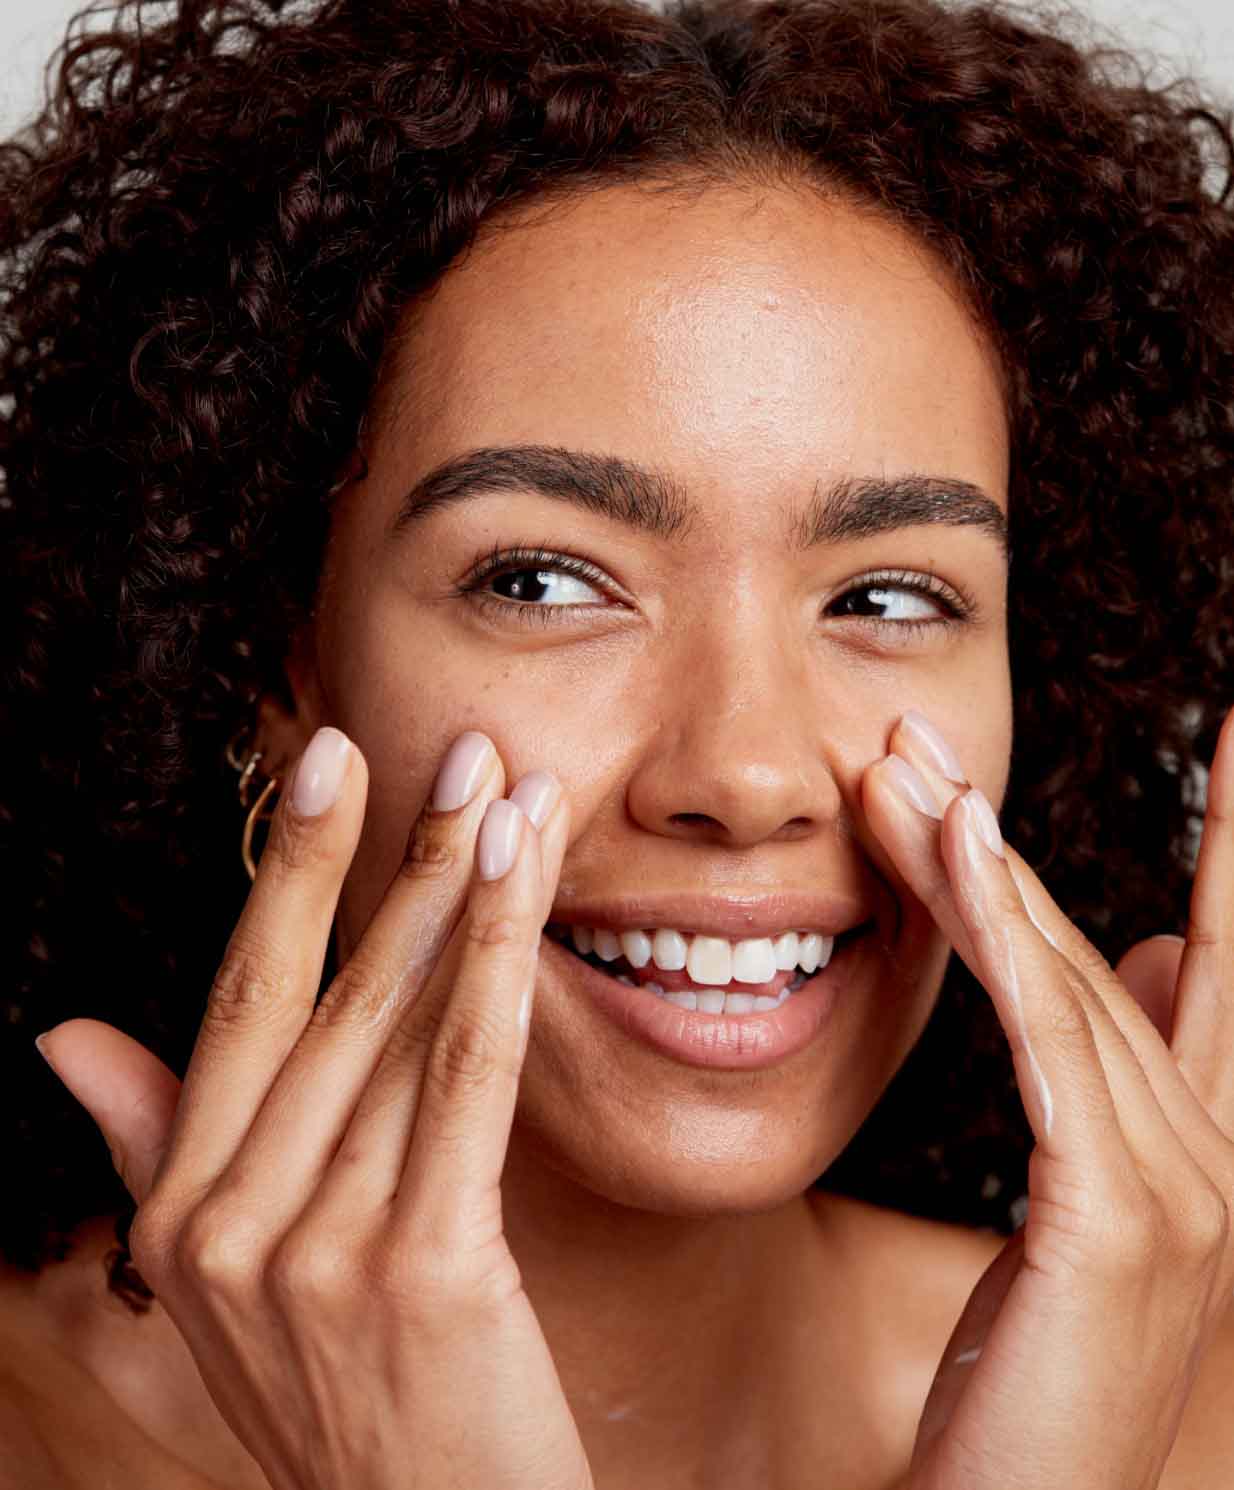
537 795
41 1042
934 744
979 817
911 785
319 776
497 843
462 771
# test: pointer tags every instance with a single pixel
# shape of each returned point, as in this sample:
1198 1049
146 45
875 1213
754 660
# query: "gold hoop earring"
255 816
244 759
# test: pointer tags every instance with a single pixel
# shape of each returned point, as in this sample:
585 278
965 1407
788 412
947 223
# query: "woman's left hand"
1071 1365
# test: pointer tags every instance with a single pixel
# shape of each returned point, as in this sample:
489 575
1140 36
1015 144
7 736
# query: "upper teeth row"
708 959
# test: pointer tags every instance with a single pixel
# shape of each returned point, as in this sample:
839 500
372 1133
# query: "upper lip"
735 917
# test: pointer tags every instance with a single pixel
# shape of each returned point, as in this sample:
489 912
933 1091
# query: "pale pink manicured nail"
319 776
462 771
537 795
911 785
980 817
934 744
497 843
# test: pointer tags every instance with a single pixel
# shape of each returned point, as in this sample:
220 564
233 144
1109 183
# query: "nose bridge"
737 754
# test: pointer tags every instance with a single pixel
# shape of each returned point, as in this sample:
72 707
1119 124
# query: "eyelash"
512 560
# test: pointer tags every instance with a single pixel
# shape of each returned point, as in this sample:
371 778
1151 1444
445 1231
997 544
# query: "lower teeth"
714 1001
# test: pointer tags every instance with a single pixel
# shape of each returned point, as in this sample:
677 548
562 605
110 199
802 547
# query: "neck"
679 1340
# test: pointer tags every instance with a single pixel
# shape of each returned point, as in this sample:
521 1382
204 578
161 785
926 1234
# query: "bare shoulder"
28 1461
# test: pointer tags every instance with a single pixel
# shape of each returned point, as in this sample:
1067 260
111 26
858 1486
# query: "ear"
283 732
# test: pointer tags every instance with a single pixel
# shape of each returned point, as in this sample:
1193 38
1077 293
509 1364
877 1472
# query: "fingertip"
537 794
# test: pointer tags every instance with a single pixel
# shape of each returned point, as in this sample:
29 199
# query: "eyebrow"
651 501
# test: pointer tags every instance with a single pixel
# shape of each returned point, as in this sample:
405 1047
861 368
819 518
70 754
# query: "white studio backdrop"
1185 36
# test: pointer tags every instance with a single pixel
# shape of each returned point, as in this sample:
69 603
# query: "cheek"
405 699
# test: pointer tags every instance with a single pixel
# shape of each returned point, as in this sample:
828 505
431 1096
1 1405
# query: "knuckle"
433 850
1064 1015
435 1285
219 1246
1205 938
355 996
150 1240
412 1039
250 986
1089 960
466 1055
307 1263
497 929
1205 1222
301 845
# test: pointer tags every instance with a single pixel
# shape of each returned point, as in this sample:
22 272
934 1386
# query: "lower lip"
729 1042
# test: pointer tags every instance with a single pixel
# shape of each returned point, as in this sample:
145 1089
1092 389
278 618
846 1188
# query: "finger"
265 989
1204 1006
1149 973
375 995
1103 1106
368 1169
919 743
128 1092
470 1081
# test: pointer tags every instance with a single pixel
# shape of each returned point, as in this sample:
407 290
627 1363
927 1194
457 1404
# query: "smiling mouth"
678 988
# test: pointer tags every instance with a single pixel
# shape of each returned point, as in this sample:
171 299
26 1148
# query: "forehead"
768 334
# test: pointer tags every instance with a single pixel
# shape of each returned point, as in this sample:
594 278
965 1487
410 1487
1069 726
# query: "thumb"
129 1093
1149 972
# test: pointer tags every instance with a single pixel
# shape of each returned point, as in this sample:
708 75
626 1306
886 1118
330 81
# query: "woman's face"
709 697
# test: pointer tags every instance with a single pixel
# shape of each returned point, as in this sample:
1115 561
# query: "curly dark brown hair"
206 239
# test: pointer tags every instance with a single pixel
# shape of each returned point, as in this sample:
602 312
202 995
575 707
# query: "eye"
906 602
534 585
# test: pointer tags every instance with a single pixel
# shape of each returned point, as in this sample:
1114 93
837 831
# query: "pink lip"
711 914
732 1042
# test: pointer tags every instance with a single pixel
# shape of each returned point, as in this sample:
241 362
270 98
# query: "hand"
1071 1365
319 1208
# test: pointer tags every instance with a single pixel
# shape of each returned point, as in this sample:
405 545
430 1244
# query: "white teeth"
668 949
607 945
739 1003
712 1001
709 959
637 948
754 961
815 951
785 948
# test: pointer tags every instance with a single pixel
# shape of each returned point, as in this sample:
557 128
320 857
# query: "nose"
737 752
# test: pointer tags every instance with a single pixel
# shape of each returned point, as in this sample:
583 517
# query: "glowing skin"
709 714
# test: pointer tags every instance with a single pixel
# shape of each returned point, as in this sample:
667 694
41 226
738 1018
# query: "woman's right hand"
319 1206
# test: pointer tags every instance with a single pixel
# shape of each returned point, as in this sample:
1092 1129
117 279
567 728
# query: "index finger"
265 989
1204 999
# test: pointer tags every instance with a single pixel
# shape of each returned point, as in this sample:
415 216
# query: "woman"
640 494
